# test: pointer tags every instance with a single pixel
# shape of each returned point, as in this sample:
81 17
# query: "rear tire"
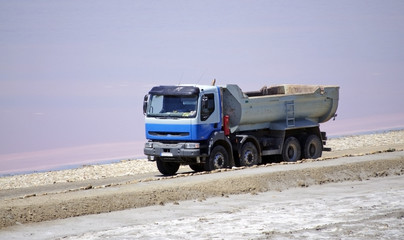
249 155
167 168
219 158
313 147
291 150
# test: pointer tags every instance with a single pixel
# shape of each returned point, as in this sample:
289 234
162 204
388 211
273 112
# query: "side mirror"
204 108
205 103
145 101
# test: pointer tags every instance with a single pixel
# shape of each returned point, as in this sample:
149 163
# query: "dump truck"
213 127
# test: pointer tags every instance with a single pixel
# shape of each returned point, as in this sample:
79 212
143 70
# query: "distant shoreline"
368 132
77 165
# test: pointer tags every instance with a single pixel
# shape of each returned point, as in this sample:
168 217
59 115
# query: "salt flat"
369 209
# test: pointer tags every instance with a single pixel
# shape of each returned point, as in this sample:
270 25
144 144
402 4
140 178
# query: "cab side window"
207 106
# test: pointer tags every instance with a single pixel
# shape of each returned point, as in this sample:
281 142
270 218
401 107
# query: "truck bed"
279 107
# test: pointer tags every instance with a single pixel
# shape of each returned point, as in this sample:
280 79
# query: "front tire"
197 167
249 155
313 147
291 150
219 158
167 168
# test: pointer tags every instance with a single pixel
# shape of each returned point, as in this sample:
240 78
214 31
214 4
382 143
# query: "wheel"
167 168
249 155
313 147
291 150
219 158
197 167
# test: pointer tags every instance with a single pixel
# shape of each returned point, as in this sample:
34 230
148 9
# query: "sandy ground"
25 199
370 209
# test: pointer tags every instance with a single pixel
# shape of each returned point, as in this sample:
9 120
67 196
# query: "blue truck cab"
181 122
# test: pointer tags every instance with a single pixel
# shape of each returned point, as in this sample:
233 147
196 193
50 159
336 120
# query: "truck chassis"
242 149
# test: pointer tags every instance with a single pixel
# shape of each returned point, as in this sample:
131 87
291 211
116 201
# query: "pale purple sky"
74 73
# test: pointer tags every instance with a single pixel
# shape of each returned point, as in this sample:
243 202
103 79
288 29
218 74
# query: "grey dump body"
279 107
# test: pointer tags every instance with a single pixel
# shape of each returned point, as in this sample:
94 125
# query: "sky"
74 73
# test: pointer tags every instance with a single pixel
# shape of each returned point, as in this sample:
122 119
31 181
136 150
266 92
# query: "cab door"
209 117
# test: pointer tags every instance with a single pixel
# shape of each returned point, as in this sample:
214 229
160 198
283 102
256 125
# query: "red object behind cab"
226 128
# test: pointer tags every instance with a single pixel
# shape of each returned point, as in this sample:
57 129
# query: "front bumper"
171 150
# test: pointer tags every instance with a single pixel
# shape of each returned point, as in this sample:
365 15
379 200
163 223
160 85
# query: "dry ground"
133 184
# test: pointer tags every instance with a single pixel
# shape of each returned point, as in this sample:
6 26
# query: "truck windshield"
176 106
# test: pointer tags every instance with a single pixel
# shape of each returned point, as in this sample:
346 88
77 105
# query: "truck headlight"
192 145
148 145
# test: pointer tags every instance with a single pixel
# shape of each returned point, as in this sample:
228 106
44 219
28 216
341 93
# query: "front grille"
180 134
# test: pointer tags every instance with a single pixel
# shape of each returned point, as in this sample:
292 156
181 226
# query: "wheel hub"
248 157
312 149
218 161
291 152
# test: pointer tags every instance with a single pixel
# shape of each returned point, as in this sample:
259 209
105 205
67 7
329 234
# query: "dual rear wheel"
292 149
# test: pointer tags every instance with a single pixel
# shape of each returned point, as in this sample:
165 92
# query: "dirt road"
48 205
